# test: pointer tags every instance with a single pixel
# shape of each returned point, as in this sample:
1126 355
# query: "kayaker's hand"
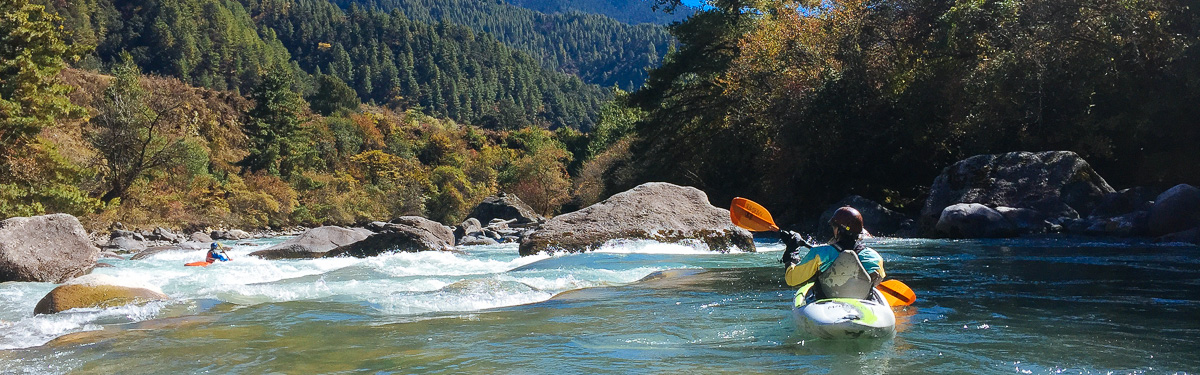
792 243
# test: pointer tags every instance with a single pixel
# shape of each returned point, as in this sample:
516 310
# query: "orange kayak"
198 264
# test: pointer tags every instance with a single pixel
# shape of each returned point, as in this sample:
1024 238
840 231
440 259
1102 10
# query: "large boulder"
973 220
507 207
313 243
877 219
96 291
436 229
656 211
49 248
1059 184
404 234
1176 209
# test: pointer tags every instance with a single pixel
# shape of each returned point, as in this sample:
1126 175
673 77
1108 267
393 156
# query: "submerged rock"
1059 184
49 248
313 243
655 211
96 291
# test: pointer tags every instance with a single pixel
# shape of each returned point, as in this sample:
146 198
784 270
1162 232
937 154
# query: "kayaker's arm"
801 273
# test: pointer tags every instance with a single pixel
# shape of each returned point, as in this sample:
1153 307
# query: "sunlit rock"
97 291
655 211
48 248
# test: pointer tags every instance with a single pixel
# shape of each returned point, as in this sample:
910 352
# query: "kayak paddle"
754 217
896 293
751 216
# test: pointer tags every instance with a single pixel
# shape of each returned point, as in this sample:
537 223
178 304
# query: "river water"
1027 306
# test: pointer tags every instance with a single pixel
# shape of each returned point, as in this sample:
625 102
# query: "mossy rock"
95 291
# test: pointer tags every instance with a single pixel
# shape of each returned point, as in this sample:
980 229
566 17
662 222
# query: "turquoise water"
1013 306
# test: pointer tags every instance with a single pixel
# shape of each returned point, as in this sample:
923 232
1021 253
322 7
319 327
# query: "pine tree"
34 178
272 124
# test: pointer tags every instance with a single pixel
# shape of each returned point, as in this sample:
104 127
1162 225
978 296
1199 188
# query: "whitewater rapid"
392 285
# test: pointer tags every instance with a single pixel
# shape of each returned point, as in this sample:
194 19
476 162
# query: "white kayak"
843 318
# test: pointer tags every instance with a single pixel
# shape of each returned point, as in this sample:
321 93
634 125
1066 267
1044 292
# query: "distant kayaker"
847 226
216 252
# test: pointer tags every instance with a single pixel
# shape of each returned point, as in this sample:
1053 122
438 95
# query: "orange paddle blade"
752 216
896 293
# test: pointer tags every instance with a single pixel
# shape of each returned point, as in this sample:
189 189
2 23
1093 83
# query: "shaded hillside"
386 58
628 11
598 49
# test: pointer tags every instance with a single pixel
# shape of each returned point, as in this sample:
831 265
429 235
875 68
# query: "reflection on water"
1021 306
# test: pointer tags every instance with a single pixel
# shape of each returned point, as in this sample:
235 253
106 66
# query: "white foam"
40 329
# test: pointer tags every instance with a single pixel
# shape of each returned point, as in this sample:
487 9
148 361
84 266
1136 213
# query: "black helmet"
848 220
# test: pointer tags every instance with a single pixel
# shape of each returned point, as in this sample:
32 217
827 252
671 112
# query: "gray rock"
404 234
238 234
656 211
1059 184
474 241
125 244
507 207
443 233
200 237
50 248
313 243
1176 209
161 234
468 227
877 219
973 220
126 234
1025 221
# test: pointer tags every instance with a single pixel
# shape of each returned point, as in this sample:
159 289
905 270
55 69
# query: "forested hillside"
799 106
628 11
150 150
444 70
598 49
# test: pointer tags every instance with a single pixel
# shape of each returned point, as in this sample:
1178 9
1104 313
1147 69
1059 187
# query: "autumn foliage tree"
34 178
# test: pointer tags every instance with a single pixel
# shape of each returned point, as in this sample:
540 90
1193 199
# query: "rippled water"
1013 306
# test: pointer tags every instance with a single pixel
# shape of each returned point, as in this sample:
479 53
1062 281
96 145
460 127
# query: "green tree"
333 95
272 124
31 55
135 131
33 177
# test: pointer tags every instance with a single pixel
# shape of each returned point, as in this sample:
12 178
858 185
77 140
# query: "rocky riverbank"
985 196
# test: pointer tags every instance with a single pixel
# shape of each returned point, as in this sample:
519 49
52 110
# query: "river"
1024 306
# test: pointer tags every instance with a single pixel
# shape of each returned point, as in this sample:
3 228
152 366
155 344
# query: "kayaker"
847 226
216 252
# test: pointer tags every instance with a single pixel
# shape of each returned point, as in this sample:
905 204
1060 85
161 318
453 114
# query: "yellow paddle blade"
896 293
752 216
